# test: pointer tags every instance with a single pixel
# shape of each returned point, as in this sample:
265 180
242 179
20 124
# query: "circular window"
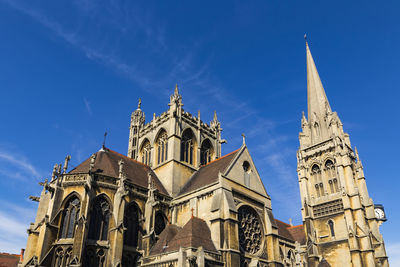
250 233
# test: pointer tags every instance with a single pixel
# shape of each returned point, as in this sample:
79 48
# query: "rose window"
250 233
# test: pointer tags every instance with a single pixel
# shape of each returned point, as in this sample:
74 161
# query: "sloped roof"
194 234
293 233
208 173
283 230
298 233
9 260
107 164
164 238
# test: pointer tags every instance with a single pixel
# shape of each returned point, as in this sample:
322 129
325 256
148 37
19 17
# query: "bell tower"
174 144
338 214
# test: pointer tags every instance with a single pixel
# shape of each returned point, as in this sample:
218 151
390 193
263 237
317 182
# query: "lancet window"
131 235
70 218
246 173
206 151
146 153
331 227
319 186
331 175
162 147
187 146
131 223
159 223
99 219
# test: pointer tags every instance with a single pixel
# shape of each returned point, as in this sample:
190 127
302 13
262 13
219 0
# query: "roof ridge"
224 156
294 226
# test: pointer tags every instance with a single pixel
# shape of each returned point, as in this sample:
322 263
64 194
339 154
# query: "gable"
250 178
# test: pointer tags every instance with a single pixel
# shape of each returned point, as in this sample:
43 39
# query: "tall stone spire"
318 104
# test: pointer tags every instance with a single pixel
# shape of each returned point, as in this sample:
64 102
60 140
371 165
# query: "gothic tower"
174 144
338 214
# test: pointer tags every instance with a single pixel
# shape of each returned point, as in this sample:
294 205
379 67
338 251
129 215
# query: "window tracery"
70 218
331 175
146 153
162 147
187 145
95 257
250 232
99 221
319 186
206 152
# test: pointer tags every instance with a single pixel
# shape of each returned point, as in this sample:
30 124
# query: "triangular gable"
235 172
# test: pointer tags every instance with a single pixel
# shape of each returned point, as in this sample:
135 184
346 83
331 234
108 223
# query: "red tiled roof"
194 234
293 233
298 233
208 174
9 260
283 230
107 164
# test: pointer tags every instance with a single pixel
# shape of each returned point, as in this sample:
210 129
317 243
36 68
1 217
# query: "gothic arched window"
159 223
331 227
131 223
331 175
99 219
162 147
187 146
319 186
206 151
146 152
70 217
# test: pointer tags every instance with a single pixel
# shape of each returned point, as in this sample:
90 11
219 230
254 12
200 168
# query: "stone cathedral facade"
175 200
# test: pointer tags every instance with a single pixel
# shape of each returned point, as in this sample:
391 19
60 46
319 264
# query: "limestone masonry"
174 200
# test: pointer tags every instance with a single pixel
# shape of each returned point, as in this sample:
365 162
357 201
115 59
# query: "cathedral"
175 200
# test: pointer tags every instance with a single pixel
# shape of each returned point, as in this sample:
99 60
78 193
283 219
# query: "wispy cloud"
14 221
87 105
14 164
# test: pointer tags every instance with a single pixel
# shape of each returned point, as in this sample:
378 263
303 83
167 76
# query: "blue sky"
70 70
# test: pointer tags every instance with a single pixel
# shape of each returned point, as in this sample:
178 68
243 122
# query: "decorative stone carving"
250 233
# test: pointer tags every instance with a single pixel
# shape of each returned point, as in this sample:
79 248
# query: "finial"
244 139
176 89
67 159
139 103
356 151
215 115
104 140
290 222
92 161
54 173
121 168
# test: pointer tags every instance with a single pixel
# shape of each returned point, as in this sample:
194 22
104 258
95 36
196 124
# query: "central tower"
338 214
174 144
